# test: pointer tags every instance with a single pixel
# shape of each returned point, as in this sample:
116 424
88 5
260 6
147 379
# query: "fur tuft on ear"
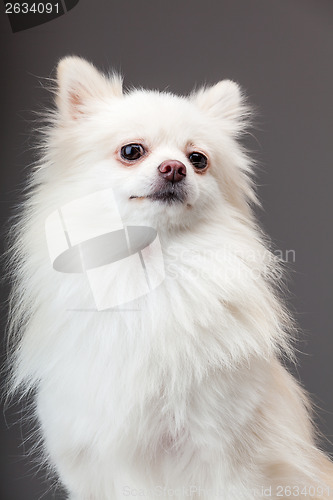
224 101
79 82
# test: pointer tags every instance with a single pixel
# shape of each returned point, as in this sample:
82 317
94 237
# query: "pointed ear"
79 82
224 101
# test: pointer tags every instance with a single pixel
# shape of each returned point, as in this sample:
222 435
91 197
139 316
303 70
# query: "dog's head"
170 160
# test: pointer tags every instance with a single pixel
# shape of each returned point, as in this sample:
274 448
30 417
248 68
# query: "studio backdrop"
281 53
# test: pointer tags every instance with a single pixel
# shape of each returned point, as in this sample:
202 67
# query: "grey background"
281 51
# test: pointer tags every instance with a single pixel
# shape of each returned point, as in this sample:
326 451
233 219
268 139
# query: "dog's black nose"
172 170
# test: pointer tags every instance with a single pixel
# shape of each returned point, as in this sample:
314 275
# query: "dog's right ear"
79 82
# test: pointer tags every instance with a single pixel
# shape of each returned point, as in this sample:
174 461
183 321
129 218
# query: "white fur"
185 391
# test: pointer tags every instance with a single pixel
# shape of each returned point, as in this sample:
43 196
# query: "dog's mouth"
170 194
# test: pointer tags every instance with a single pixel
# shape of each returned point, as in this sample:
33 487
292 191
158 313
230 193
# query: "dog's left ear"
224 101
79 82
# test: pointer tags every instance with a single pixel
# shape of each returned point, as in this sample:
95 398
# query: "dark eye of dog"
132 152
198 160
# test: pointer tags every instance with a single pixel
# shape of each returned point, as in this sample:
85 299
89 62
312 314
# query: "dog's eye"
198 160
132 152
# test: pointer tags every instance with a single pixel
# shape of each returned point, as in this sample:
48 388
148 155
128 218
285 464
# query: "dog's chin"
168 195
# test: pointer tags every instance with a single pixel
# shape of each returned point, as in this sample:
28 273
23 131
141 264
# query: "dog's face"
170 160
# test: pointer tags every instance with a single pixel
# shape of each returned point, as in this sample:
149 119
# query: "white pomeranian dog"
156 366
